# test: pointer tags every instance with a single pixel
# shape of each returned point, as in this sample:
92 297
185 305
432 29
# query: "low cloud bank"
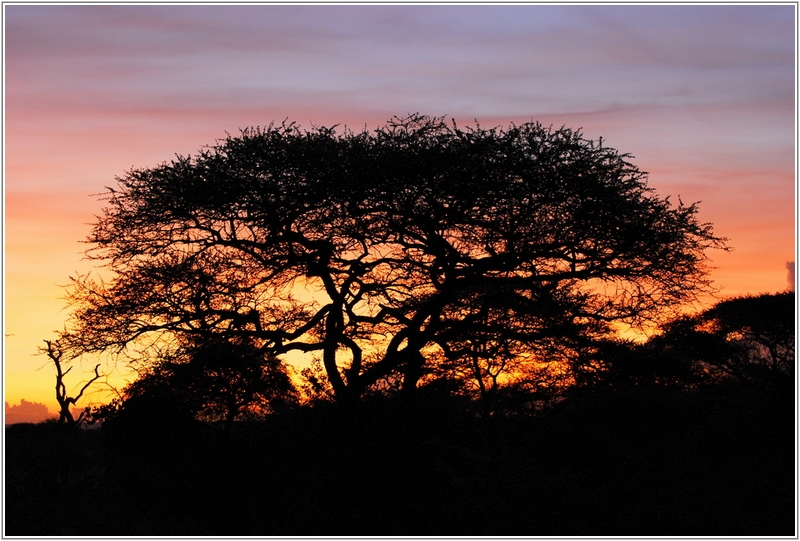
27 412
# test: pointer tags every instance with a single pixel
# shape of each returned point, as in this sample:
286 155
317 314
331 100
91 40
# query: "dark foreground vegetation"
624 462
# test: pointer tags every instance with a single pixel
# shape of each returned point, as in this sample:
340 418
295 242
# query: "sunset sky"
703 97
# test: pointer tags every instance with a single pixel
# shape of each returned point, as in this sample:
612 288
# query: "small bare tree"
55 353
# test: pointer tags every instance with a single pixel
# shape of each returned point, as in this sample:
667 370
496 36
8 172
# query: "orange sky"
702 96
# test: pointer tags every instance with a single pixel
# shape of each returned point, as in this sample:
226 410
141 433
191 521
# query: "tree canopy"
387 253
748 339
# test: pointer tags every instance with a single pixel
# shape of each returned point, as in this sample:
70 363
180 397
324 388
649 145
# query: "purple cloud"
458 60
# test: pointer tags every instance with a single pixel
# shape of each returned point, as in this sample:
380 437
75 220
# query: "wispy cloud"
480 60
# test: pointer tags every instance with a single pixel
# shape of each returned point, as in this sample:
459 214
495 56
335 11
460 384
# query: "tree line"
490 266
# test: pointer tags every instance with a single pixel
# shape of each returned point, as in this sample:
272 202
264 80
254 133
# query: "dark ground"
621 464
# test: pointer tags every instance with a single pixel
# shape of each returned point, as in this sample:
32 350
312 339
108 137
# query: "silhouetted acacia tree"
55 353
383 251
749 339
502 376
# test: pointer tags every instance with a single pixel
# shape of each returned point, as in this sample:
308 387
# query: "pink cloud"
26 412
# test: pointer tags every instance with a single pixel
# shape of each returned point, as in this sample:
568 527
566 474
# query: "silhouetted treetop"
749 339
420 241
